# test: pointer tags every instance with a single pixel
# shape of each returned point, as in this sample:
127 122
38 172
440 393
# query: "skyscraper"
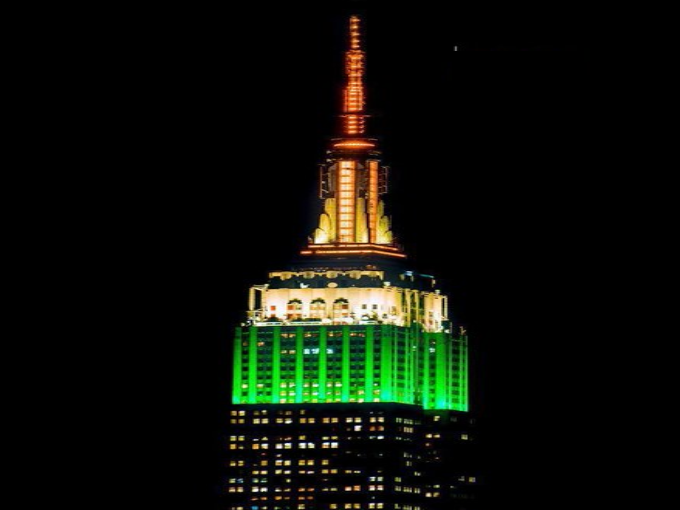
350 382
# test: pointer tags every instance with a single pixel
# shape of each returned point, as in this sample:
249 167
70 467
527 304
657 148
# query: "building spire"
354 116
353 221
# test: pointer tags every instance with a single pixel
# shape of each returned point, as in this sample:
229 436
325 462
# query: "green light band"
323 362
426 371
441 372
370 352
414 353
299 364
252 365
465 403
345 364
276 367
386 364
409 381
236 390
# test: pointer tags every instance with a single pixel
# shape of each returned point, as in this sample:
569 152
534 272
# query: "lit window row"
410 490
353 488
354 506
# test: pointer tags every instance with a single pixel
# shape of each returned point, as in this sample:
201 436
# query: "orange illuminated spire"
353 109
354 220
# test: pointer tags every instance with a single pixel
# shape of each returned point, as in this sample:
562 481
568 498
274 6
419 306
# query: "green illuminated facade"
350 364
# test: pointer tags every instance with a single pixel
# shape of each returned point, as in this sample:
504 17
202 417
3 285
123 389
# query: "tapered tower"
353 181
348 374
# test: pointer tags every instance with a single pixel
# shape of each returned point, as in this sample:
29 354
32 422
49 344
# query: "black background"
496 190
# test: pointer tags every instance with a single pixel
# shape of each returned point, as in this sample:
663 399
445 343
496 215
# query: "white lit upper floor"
345 298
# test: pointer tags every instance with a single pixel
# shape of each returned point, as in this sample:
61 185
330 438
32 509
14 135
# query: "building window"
341 308
294 309
318 309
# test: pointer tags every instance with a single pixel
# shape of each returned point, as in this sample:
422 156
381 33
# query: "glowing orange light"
354 92
373 200
354 144
352 252
380 247
346 196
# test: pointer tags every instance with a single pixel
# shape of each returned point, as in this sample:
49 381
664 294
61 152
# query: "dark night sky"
488 154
